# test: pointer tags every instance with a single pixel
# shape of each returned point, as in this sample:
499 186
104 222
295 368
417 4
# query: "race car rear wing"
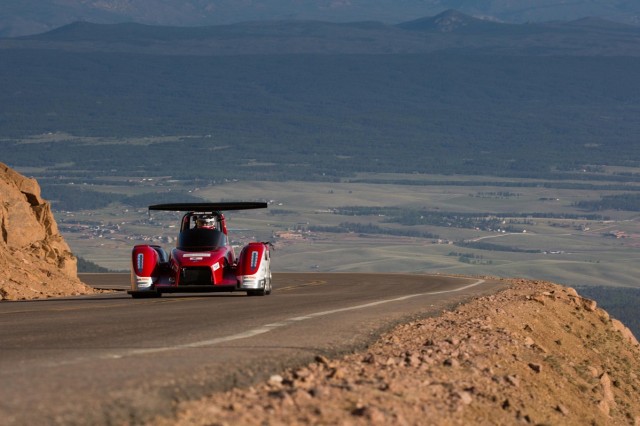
209 207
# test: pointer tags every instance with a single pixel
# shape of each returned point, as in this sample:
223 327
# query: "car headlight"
144 282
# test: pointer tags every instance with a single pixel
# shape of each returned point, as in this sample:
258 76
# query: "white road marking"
268 327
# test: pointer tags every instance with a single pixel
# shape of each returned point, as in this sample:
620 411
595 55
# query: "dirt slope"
35 261
536 353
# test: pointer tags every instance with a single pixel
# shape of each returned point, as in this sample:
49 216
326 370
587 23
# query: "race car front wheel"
265 291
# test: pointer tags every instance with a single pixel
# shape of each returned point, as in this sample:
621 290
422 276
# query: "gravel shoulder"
536 353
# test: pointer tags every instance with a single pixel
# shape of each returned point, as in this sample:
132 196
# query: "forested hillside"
450 94
320 115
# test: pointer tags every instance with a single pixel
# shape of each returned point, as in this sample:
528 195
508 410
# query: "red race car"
203 259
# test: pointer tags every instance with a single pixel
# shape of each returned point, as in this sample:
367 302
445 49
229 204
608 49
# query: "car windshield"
198 239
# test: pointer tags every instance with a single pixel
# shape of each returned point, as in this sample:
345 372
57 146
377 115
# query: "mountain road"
110 359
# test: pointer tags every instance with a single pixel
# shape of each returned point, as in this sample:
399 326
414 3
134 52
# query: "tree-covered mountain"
22 17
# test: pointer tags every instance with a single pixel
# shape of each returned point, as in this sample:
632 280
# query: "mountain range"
450 30
23 17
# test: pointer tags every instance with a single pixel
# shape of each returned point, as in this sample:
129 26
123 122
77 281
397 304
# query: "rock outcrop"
35 261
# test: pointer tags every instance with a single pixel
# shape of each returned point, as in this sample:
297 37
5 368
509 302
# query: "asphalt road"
110 359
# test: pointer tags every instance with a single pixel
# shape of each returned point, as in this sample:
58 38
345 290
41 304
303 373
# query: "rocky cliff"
35 261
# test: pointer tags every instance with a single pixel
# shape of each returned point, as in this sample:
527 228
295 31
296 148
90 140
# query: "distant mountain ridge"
23 17
451 21
449 31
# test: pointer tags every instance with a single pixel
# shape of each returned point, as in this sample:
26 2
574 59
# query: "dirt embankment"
536 353
35 261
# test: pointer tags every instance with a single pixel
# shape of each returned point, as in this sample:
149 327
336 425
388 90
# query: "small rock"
338 373
453 341
535 367
562 409
538 298
302 373
607 391
286 400
604 407
589 305
465 397
275 380
512 380
375 416
360 410
540 348
300 396
319 392
369 359
321 359
571 292
451 362
523 417
602 314
413 360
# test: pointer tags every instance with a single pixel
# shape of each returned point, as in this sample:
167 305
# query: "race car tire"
268 287
145 294
266 290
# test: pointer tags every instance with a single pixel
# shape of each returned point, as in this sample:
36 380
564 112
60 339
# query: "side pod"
146 267
254 269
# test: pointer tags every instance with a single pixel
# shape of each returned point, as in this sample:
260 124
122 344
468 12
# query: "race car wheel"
263 291
268 287
145 294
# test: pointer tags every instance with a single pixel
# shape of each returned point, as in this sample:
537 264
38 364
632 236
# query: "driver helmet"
206 222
